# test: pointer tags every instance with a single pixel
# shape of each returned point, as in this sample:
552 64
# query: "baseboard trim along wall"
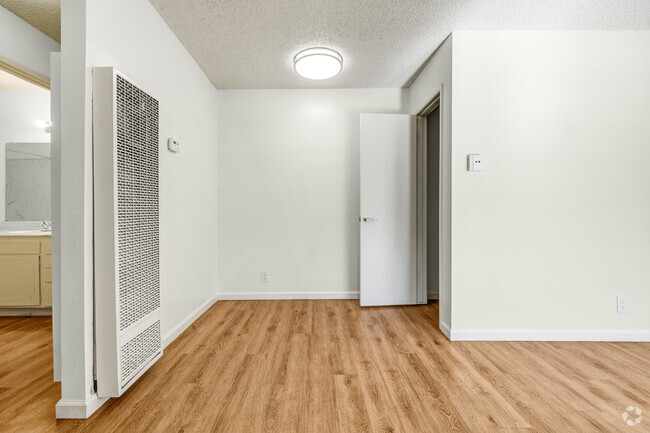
82 409
551 335
79 409
32 312
251 296
433 296
445 329
182 326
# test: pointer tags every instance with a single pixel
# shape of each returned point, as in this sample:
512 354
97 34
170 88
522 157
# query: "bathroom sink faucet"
46 225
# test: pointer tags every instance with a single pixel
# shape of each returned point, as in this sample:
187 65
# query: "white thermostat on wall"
474 163
173 145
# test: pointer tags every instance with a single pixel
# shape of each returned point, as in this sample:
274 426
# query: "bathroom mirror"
28 182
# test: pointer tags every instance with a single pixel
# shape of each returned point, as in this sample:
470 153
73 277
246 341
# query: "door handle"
369 220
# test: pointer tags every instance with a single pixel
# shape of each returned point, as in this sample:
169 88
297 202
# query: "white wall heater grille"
127 275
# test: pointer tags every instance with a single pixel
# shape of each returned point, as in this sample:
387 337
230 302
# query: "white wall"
19 111
289 190
188 112
22 44
130 35
557 224
436 78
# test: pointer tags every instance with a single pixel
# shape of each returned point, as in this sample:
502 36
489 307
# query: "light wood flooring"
330 366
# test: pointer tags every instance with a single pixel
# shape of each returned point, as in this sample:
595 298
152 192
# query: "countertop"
7 232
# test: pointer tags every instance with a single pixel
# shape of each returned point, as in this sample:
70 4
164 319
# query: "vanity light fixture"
318 63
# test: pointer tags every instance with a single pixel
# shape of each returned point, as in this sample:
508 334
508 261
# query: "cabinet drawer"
46 261
20 246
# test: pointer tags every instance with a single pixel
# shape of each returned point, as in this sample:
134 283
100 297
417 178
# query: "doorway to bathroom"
25 196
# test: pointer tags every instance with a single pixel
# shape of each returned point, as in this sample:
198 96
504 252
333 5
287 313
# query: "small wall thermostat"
173 145
474 163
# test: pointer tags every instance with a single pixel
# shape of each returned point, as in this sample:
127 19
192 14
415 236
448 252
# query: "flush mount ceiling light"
318 63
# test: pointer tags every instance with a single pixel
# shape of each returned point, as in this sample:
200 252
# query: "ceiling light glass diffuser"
318 63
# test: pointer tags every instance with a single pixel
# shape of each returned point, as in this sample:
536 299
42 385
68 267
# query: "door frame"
24 73
421 195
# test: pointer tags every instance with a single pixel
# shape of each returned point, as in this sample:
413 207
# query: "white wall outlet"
173 145
474 163
264 277
621 304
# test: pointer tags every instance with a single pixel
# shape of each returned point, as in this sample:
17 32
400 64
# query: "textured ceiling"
45 15
11 82
251 43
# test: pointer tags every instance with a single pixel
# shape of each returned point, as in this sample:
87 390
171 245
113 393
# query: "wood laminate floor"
330 366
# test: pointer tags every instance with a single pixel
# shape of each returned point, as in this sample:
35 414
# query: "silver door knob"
369 220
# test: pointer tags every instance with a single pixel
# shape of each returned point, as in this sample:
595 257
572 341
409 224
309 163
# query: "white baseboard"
433 295
178 329
445 329
251 296
550 335
79 409
82 409
28 312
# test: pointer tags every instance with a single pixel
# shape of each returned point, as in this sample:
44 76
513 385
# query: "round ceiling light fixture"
318 63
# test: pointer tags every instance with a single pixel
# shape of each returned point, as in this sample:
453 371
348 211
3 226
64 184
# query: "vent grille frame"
126 222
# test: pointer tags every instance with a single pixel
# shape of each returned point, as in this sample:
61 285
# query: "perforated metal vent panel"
138 350
126 212
137 203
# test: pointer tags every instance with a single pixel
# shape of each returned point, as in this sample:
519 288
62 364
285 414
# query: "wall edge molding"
446 329
79 409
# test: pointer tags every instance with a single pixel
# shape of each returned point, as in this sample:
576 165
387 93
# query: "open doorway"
26 170
29 207
433 202
25 189
428 199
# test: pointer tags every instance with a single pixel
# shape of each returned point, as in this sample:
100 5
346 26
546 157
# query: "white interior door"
388 210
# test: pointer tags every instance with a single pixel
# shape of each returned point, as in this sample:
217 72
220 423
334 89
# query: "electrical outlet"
474 163
264 277
621 304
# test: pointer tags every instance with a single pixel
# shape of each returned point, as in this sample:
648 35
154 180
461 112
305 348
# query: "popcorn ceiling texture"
45 15
251 43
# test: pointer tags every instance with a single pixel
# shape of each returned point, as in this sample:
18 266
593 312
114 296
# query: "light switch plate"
474 162
173 145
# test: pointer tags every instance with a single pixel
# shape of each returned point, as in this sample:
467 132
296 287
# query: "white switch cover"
173 145
621 304
264 277
474 163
